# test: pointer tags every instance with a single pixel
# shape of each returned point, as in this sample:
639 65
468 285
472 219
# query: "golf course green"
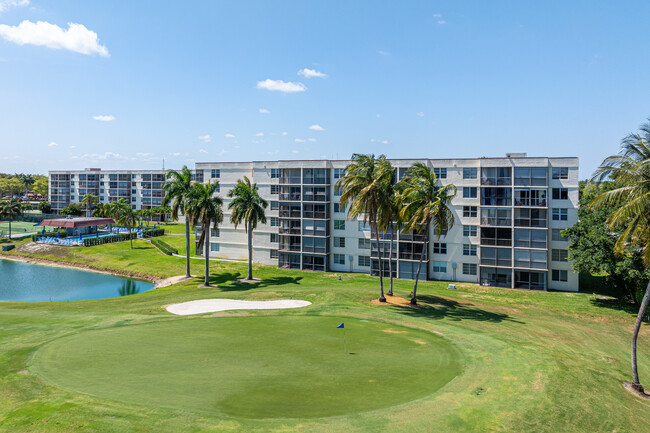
253 367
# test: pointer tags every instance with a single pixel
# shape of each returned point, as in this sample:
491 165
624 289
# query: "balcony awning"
77 222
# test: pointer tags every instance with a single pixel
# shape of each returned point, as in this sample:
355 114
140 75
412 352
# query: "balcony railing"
290 247
290 180
289 231
289 196
494 221
496 262
289 213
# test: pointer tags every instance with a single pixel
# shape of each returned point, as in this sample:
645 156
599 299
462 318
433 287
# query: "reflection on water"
128 287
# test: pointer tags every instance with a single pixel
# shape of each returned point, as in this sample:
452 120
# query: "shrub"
164 247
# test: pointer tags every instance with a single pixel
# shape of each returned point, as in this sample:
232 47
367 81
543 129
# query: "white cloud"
53 144
143 154
229 136
309 73
383 53
5 5
284 132
316 127
264 111
312 139
441 22
76 38
73 147
281 86
259 134
384 142
203 151
294 151
102 156
205 138
437 15
176 154
104 118
421 114
300 140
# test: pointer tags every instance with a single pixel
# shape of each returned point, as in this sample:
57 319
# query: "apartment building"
509 213
142 188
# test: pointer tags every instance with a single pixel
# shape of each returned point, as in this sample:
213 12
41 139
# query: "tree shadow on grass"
228 282
436 308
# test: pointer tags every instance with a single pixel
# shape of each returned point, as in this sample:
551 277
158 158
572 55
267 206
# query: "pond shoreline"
157 281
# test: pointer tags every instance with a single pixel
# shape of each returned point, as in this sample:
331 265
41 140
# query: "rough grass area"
533 361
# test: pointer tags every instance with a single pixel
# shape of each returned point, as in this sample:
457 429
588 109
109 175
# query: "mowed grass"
254 367
18 227
532 361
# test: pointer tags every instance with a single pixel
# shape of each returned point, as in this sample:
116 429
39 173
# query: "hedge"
164 247
89 242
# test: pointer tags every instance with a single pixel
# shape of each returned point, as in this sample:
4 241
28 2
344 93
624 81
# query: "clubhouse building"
509 213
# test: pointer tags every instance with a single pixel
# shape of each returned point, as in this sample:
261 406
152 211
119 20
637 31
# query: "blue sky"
117 84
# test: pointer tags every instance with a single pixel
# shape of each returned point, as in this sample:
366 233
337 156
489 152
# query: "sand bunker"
214 305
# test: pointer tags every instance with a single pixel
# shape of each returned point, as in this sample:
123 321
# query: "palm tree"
10 208
204 207
631 169
425 204
89 200
177 189
247 206
389 219
364 186
27 180
124 215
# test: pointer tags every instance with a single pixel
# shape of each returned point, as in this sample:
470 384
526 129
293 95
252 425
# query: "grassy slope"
541 361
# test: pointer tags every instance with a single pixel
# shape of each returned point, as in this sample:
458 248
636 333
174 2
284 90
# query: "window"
339 259
215 173
559 275
275 238
364 226
530 259
496 217
530 197
339 242
439 266
470 211
559 255
339 173
560 172
560 214
470 192
275 222
275 173
337 192
501 257
530 238
214 247
273 254
470 173
338 208
133 191
364 244
530 217
217 187
339 224
556 235
275 189
469 230
364 261
496 176
214 233
496 196
469 269
530 176
441 173
469 250
439 248
275 205
560 194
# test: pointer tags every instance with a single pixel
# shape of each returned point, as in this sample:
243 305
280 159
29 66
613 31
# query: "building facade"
509 213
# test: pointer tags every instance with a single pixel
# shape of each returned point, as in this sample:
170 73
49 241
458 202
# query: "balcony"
294 180
289 230
289 196
290 247
293 213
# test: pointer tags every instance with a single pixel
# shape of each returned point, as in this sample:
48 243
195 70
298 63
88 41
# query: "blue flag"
341 326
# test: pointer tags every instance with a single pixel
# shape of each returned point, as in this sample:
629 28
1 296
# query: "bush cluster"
164 247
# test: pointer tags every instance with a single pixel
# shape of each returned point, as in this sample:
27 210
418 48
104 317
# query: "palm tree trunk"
637 327
10 218
130 235
187 247
414 300
390 260
382 298
250 250
207 253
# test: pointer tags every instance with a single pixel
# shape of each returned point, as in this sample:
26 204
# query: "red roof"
77 222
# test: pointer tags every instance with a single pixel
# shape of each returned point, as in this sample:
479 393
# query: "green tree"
45 207
125 216
10 209
10 186
426 204
73 209
89 201
248 207
204 207
41 186
631 169
363 186
388 217
26 179
177 190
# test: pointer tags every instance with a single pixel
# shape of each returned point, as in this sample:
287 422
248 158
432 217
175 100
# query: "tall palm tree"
10 208
177 189
124 215
631 169
204 207
388 217
89 200
27 180
426 204
364 186
247 206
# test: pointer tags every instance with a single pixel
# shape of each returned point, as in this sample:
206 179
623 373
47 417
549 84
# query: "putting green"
253 367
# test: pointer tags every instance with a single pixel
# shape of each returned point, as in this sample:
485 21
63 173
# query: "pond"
39 283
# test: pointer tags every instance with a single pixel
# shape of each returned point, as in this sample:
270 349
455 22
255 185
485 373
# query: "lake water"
39 283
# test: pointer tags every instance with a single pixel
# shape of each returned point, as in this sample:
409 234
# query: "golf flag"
341 326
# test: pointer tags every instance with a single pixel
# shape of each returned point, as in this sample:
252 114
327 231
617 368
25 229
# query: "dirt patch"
173 280
395 300
392 331
419 342
246 280
641 394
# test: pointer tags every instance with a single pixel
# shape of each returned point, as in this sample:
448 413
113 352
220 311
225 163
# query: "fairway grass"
253 367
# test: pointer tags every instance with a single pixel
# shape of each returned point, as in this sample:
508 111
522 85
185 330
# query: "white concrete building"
508 216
